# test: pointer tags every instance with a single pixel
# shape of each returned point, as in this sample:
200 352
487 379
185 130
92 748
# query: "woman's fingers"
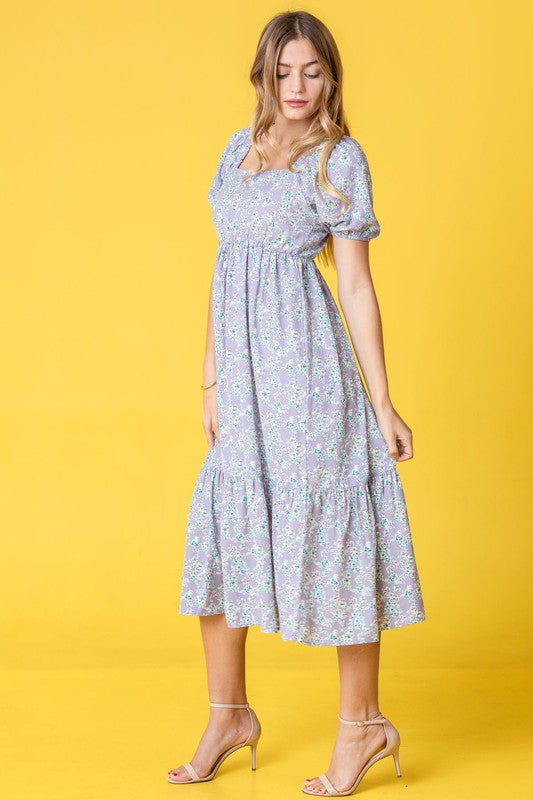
211 432
405 446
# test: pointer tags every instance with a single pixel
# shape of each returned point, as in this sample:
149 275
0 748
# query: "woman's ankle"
359 714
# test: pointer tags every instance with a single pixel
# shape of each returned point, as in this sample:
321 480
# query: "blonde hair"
328 126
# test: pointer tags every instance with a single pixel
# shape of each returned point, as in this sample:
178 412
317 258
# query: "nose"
296 83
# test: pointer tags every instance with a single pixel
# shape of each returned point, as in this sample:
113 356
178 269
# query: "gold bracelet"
208 387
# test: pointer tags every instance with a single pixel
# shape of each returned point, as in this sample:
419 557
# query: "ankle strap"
372 721
229 705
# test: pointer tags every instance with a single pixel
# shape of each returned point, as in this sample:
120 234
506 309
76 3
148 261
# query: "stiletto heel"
251 740
253 748
397 763
391 748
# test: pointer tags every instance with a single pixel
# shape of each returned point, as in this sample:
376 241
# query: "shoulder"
236 139
229 155
347 153
230 151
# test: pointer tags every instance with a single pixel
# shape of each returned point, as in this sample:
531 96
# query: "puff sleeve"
349 172
223 162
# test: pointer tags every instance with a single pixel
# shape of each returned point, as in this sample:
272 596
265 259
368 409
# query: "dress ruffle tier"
327 567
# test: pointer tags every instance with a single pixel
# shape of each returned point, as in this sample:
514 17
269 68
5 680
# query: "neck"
284 131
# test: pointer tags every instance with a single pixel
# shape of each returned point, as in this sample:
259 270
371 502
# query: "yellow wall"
114 116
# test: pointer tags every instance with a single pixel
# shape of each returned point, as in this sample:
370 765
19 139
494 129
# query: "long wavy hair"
327 126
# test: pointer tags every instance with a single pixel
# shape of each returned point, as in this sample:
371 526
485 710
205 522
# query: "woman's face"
299 77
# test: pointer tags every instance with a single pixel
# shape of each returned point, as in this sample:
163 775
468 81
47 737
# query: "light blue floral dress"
298 520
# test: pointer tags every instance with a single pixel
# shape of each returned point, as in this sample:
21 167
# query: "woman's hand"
210 415
397 434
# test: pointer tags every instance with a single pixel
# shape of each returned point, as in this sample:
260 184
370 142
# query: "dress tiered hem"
322 566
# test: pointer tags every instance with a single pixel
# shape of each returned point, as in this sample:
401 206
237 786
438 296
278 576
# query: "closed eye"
306 75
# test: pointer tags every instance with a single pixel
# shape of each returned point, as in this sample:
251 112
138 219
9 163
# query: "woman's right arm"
209 374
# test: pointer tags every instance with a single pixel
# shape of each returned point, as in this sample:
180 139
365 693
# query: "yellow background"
114 117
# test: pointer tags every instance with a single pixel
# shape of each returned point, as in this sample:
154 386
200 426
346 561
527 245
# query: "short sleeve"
224 161
348 171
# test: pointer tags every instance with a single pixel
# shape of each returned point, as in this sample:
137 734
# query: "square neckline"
247 141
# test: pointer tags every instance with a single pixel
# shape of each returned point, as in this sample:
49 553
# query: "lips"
296 102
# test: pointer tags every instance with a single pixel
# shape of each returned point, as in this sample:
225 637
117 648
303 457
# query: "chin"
297 113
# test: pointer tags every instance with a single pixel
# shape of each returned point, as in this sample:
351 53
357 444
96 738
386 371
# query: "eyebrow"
282 64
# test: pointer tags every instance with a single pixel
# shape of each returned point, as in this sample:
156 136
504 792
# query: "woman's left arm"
360 307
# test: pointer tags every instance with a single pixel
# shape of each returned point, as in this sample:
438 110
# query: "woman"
298 520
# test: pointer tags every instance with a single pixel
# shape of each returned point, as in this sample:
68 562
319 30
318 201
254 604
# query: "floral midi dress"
297 521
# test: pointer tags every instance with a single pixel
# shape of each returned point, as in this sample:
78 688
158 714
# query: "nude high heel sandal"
251 741
392 746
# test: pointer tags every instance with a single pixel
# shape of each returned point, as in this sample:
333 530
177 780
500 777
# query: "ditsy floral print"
298 520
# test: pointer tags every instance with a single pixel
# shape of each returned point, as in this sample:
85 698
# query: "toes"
179 775
315 787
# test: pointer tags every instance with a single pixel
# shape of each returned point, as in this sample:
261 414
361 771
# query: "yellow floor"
108 734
